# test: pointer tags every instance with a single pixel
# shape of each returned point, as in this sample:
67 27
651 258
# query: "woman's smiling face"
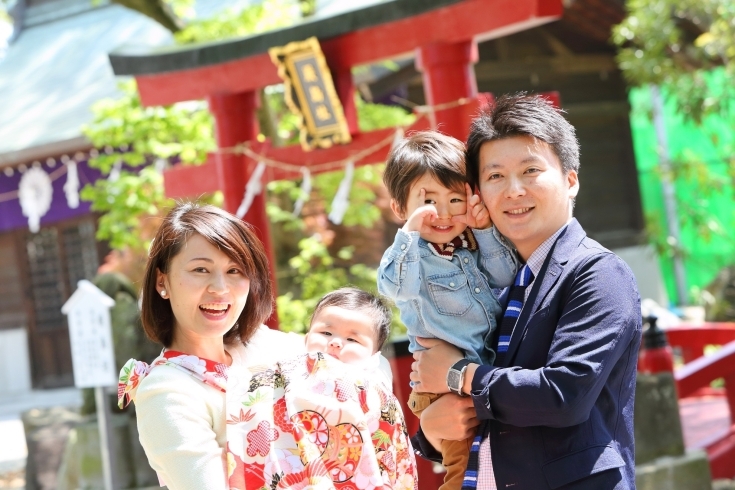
206 288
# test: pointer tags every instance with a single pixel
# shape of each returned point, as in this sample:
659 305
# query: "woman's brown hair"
231 235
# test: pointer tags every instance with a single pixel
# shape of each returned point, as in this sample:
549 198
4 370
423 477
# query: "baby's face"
345 334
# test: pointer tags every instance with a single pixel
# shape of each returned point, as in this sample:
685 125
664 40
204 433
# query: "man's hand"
430 368
450 417
420 220
477 215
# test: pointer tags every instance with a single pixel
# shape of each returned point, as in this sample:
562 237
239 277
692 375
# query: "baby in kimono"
335 421
352 325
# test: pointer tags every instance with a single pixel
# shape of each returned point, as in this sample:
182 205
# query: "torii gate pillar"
449 76
235 123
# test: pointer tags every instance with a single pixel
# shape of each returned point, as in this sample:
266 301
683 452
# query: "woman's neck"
212 349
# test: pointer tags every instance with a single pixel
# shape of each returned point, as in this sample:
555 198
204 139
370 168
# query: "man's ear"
573 181
397 210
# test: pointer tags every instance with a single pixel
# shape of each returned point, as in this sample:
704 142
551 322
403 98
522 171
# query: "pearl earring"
163 293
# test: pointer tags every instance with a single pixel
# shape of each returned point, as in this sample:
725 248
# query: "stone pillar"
662 462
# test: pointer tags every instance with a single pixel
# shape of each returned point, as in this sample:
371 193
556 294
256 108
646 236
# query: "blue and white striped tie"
516 296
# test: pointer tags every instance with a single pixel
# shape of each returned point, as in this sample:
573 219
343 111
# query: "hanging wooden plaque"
310 94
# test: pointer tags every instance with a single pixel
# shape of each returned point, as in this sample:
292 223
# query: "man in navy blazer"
557 411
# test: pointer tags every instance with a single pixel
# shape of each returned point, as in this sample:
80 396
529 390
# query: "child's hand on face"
420 220
477 215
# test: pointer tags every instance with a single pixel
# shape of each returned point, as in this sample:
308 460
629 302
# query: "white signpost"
93 357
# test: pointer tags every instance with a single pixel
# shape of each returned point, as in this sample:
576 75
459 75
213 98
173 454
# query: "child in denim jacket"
443 262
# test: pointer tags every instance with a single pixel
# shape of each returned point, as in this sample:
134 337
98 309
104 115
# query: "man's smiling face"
524 188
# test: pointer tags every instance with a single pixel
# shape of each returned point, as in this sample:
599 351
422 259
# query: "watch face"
453 379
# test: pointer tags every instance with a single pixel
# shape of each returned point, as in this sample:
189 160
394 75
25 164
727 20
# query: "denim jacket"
446 299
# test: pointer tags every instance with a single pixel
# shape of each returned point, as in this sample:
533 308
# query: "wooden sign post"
93 358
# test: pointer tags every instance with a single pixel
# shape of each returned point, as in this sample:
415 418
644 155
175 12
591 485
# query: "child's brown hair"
424 152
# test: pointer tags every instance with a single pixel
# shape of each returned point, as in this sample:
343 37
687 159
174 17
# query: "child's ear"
397 210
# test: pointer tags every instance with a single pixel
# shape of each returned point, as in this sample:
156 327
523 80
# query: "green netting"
704 190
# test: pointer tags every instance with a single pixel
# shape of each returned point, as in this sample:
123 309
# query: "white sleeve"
267 346
176 430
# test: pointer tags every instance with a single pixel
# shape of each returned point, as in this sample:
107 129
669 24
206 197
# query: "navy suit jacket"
559 410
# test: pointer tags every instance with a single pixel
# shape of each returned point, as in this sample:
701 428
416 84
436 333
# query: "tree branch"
157 10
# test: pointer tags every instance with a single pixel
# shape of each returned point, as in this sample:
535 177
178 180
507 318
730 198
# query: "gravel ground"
15 479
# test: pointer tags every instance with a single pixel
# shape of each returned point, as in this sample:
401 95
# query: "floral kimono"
312 422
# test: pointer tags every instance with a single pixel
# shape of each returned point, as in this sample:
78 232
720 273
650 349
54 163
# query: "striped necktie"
516 297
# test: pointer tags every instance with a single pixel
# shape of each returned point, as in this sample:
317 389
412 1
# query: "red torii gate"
442 33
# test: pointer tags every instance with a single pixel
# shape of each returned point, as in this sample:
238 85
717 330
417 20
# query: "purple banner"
11 215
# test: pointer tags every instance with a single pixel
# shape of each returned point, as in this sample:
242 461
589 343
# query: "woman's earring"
163 293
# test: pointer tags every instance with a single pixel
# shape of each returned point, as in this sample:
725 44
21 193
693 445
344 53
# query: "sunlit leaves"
124 203
316 273
241 21
136 136
137 133
674 43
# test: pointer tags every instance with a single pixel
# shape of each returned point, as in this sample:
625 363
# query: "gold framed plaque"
310 94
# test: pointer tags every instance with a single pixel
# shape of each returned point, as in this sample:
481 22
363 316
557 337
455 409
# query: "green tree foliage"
138 137
316 273
168 13
675 43
178 16
4 16
6 24
313 271
241 21
687 48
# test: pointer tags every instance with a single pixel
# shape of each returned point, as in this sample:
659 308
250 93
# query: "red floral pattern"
324 408
280 416
314 436
260 439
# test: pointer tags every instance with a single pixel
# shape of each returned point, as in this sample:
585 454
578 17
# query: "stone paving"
13 450
702 418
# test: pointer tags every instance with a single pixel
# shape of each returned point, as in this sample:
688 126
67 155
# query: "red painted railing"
695 377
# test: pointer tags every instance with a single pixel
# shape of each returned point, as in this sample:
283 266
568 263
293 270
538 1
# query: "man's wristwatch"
455 377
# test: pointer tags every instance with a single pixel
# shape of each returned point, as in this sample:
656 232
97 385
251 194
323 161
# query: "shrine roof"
54 71
329 23
56 67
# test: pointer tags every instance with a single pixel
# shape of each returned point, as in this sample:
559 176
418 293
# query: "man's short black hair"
522 115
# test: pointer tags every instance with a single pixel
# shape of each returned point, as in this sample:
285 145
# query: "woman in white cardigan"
206 293
205 296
